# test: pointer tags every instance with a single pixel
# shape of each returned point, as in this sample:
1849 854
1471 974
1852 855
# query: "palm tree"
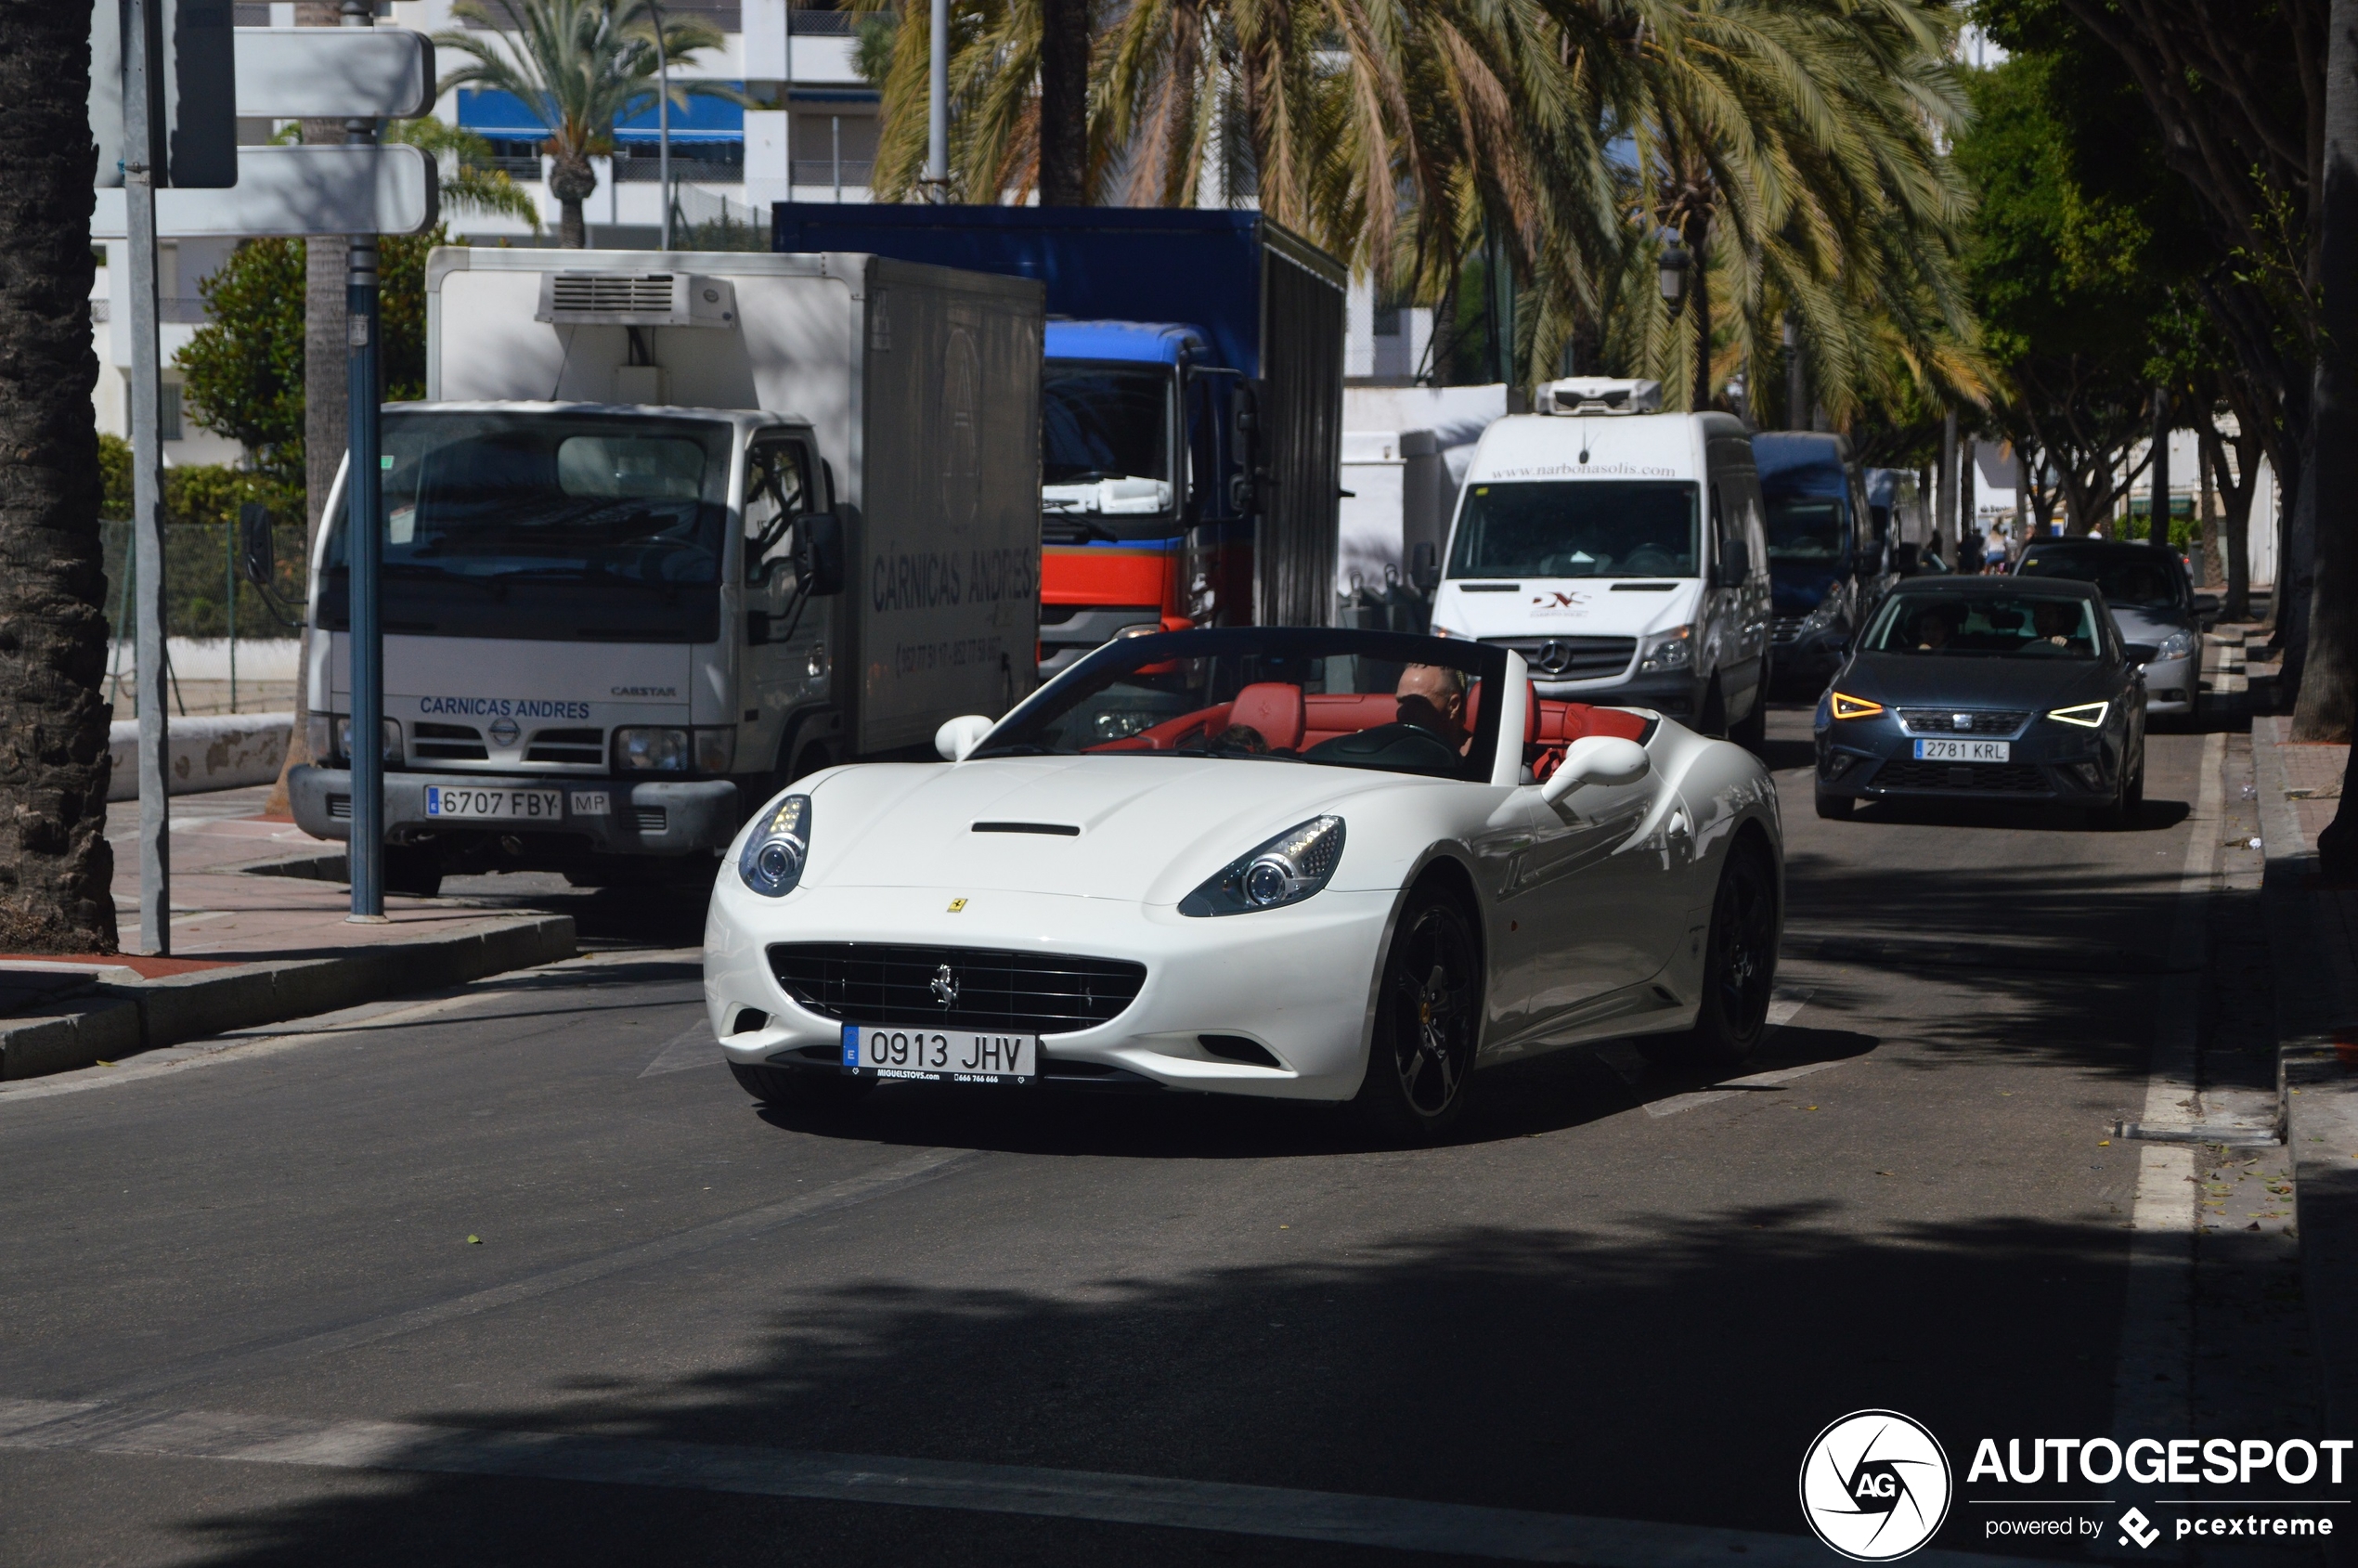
471 181
577 67
54 865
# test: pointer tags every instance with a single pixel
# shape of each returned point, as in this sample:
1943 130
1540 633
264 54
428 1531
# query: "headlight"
1852 707
771 864
2087 715
1823 615
663 749
1674 649
2177 645
1285 870
340 725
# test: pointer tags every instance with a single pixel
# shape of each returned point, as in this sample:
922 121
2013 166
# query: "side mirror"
2206 603
1244 450
1424 567
257 554
818 552
1597 760
1905 559
2139 652
960 735
1735 561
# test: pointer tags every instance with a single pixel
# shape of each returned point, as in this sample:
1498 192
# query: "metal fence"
204 594
702 220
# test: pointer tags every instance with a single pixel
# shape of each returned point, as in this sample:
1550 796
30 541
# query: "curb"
136 1014
2317 1075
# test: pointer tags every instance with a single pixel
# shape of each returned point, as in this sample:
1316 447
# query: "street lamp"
1671 270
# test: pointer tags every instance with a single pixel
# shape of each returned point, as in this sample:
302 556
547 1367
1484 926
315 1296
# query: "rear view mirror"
817 554
257 555
1597 760
1735 561
2206 603
1424 567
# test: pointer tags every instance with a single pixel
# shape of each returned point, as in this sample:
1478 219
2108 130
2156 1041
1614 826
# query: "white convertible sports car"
1304 864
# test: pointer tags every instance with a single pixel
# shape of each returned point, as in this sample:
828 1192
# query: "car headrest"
1273 711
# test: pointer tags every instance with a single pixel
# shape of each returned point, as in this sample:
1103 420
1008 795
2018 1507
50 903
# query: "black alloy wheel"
1428 1021
1739 960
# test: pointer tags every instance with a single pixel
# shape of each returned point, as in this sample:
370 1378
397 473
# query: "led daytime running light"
772 860
2087 715
1854 707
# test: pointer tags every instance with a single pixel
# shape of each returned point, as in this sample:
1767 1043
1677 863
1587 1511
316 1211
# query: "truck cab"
1137 532
1827 549
1620 550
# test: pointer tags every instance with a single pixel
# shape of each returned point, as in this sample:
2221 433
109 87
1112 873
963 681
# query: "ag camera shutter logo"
1875 1486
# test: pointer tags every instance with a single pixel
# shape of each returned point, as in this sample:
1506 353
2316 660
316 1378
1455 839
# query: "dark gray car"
2151 600
1986 688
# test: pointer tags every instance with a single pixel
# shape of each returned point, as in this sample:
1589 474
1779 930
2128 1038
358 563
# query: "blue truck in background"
1826 555
1191 404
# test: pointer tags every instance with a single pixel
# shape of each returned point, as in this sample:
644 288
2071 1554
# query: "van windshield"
1806 528
1577 528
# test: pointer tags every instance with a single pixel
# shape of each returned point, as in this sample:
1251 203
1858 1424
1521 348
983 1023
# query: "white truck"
670 531
1620 550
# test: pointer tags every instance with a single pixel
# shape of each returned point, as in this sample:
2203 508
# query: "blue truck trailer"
1191 404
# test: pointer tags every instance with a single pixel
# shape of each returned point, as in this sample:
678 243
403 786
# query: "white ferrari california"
1299 864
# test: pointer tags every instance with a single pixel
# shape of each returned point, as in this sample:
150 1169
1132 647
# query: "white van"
1620 550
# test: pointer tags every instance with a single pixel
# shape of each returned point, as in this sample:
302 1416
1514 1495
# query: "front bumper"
673 817
2172 685
1875 759
1298 981
1807 657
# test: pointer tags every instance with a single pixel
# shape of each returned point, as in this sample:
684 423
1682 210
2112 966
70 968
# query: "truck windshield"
1104 439
1805 529
1577 528
514 525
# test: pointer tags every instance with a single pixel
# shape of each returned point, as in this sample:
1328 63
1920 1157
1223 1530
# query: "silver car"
2153 601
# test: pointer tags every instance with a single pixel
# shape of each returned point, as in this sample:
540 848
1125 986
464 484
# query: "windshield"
2132 578
612 524
1577 528
1104 438
2015 625
1805 529
1277 696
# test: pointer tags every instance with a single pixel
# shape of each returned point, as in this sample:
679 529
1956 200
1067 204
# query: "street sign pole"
139 160
364 490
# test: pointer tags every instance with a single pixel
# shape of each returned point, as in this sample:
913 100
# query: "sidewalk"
2312 939
259 934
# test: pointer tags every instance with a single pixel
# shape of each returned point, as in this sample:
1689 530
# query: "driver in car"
1432 697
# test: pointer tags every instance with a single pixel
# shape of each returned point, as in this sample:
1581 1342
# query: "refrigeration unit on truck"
670 530
1191 405
1618 550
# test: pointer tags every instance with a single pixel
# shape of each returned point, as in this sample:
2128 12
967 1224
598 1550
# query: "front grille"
651 819
446 743
1015 992
1571 658
1943 721
1784 629
2016 778
568 745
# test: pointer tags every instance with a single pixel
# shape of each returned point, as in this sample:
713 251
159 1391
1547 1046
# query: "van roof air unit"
1600 395
635 299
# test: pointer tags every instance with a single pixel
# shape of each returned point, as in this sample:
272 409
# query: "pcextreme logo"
1875 1486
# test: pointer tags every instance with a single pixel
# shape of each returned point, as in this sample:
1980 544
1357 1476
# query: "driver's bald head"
1437 683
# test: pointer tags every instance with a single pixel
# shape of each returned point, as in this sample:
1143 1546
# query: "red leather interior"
1330 715
1272 709
1531 706
1171 731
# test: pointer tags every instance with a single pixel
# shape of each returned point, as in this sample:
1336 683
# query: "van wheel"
1750 731
1713 720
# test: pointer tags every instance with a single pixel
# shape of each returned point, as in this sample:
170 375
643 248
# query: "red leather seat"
1329 715
1271 709
1530 710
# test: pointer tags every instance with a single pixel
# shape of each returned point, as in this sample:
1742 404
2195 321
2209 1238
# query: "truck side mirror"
1424 567
1735 561
257 552
1244 449
818 552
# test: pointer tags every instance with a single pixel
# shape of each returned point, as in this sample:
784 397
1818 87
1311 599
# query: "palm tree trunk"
1699 398
54 865
571 233
1064 103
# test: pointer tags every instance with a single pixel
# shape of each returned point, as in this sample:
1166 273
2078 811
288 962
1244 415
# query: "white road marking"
692 1047
830 1199
1509 1534
1780 1013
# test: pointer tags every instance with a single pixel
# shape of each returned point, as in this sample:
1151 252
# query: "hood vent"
635 299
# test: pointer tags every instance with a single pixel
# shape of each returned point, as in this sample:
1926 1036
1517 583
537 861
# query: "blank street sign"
200 129
334 72
294 191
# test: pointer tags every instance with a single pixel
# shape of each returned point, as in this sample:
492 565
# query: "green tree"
578 66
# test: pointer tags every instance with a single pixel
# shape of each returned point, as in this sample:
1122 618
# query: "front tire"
1428 1022
1836 807
782 1088
412 869
1739 960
